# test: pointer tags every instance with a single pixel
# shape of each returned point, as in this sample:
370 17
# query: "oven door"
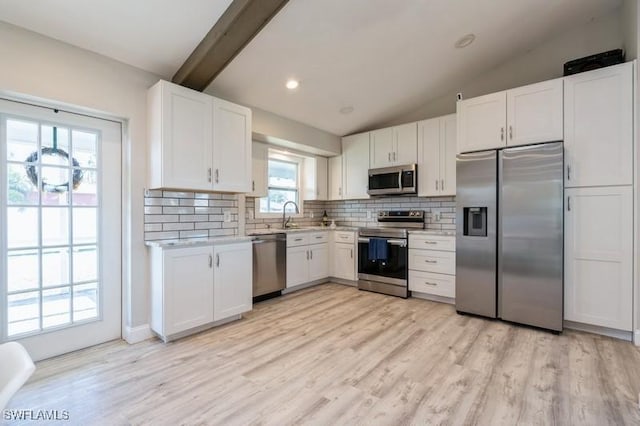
390 271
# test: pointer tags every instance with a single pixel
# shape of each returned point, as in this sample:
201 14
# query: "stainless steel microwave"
397 180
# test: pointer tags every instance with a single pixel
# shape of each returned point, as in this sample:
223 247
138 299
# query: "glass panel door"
53 197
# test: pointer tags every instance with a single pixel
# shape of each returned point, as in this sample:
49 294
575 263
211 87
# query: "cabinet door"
381 148
188 288
232 280
315 178
406 144
598 256
534 113
355 166
180 128
297 265
318 261
598 111
335 178
429 157
259 167
481 122
231 147
344 262
447 155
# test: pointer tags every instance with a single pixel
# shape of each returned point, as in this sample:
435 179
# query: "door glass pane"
86 193
55 226
23 313
85 301
22 227
84 148
55 267
84 225
55 182
56 307
22 139
20 189
85 264
23 267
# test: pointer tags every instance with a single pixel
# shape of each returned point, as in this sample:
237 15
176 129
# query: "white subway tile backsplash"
201 233
152 218
177 210
177 226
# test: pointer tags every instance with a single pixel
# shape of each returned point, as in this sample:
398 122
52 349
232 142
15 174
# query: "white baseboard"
636 338
137 334
433 297
610 332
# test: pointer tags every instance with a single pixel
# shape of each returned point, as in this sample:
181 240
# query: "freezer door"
476 216
530 236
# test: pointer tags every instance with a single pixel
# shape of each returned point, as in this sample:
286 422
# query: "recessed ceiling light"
465 40
346 110
292 84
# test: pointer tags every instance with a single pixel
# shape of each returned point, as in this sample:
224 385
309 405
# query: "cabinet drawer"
440 262
344 237
297 239
318 237
437 284
432 242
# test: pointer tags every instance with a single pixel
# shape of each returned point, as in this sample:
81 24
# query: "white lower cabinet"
195 286
598 282
307 257
344 255
432 264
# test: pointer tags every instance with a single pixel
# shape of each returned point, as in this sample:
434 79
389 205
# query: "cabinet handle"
311 254
441 184
430 261
428 283
352 253
307 254
217 175
210 261
394 156
217 260
436 184
297 239
340 191
569 203
501 133
319 237
568 172
209 175
253 185
389 156
431 242
510 132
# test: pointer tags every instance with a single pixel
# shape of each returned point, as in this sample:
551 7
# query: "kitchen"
233 215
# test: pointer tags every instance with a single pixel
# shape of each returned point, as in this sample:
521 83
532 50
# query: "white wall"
41 67
541 63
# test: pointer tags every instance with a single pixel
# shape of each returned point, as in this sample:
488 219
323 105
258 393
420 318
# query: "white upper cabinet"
598 130
521 116
180 126
355 166
197 142
534 113
394 146
260 171
437 156
481 122
231 147
335 177
599 256
315 178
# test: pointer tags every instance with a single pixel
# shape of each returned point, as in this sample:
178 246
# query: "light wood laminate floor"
333 355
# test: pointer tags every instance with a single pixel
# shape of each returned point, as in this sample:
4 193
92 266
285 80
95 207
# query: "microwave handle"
400 180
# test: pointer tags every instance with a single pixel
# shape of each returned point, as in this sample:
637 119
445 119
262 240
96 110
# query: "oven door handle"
401 243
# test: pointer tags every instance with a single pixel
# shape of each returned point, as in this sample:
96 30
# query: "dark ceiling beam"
237 26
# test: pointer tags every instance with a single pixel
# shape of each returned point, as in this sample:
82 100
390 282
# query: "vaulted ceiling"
380 57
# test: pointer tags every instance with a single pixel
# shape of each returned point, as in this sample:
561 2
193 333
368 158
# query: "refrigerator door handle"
499 234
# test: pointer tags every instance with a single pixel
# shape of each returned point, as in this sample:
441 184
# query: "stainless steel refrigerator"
509 239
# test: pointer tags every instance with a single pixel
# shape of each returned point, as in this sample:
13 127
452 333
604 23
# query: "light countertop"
265 231
185 242
433 232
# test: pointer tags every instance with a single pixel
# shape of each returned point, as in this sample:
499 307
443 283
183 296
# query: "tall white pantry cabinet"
598 130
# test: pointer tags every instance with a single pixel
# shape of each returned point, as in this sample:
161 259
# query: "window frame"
288 158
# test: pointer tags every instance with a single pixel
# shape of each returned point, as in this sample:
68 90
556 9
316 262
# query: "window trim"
299 161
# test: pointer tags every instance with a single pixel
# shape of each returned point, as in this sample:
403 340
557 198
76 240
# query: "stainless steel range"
383 252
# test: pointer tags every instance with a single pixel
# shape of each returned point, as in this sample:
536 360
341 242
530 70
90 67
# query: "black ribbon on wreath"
32 171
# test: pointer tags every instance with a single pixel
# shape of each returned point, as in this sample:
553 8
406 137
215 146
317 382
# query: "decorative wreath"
32 173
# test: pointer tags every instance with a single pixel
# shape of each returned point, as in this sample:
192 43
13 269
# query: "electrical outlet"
227 216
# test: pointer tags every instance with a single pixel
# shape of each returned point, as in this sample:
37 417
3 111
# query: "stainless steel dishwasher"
269 265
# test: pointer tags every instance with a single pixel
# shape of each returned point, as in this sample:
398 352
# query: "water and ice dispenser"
475 221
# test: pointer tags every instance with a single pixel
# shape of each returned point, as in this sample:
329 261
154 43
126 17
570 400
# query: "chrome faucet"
285 222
